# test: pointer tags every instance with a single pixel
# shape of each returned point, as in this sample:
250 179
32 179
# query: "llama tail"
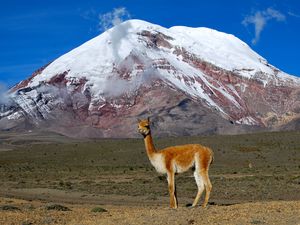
212 157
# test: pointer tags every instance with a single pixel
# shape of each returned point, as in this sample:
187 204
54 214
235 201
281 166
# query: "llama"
178 159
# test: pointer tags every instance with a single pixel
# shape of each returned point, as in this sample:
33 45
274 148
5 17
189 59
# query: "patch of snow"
232 88
117 106
6 113
101 106
247 121
242 87
15 116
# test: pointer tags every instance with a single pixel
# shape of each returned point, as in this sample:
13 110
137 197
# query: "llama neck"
150 148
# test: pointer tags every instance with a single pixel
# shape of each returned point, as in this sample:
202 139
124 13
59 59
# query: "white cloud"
113 18
294 14
4 95
115 86
260 19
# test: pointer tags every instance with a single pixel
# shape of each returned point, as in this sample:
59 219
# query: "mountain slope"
191 80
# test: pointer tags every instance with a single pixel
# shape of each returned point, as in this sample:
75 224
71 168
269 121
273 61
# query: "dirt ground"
35 212
256 180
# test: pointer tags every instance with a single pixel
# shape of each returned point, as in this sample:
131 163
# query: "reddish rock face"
233 103
156 40
254 98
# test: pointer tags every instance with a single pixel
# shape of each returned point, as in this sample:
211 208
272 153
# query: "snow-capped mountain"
189 80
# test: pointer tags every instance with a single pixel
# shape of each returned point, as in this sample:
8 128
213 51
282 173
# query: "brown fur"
178 159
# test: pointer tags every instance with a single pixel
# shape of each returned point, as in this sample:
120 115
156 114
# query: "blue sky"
34 33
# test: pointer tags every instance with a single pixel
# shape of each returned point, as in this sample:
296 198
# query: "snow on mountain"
94 58
107 75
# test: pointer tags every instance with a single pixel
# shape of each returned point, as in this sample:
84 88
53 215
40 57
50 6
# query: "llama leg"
200 185
171 186
208 186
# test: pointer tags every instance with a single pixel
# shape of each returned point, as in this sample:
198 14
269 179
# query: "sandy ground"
35 212
256 180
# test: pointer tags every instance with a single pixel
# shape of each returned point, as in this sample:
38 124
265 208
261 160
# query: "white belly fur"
158 161
180 169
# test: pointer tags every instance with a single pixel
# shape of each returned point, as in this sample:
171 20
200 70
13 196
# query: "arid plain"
46 178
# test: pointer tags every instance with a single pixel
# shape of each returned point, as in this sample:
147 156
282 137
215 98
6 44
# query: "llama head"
144 126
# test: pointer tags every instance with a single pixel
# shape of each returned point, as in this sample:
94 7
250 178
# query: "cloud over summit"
113 18
260 19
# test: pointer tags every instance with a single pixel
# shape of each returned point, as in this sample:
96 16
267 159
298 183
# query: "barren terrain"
49 179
